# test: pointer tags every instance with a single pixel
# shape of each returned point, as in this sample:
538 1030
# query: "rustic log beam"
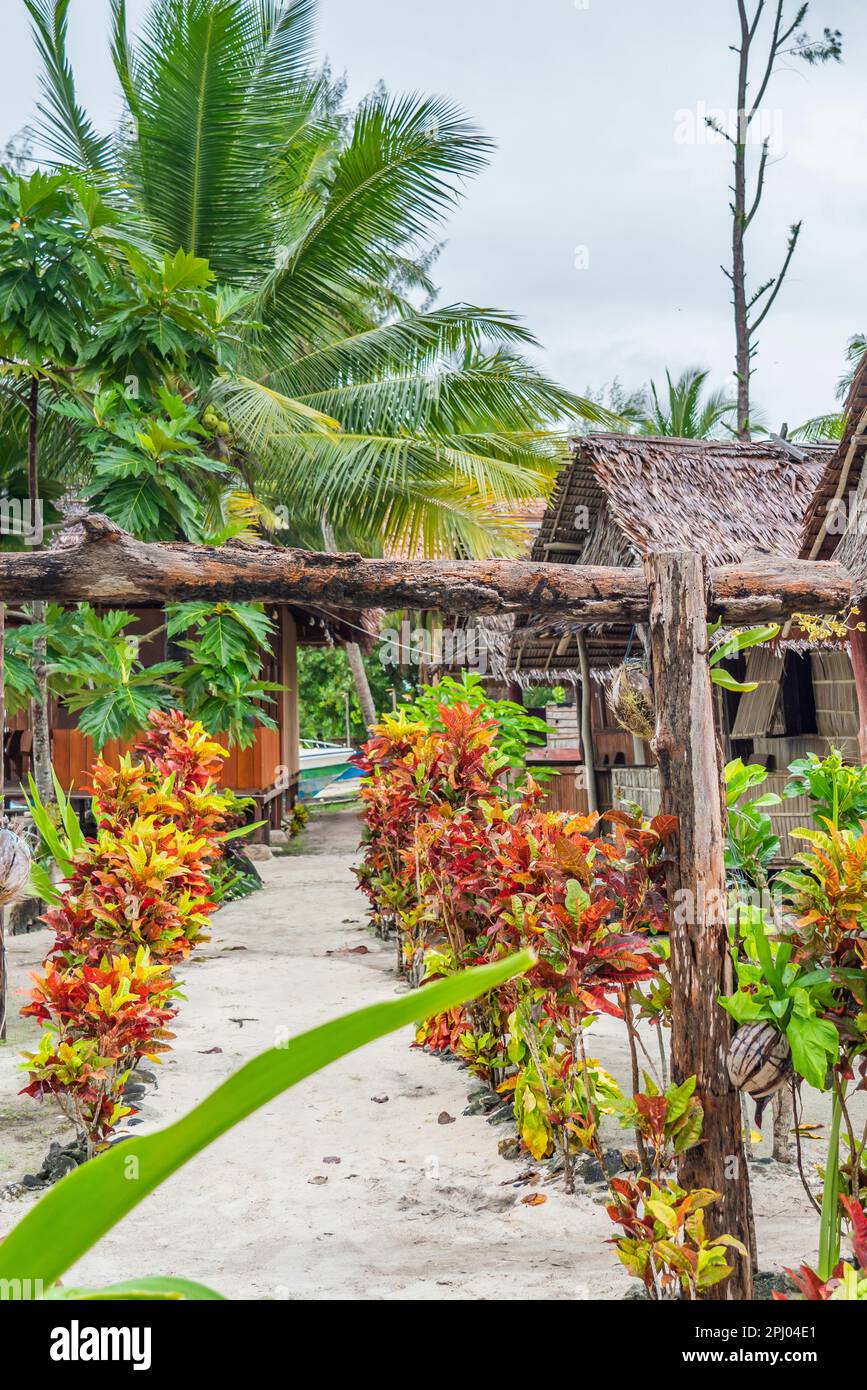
770 588
689 773
94 560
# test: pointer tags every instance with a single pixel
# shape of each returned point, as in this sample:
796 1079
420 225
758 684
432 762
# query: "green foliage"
150 473
837 790
324 678
537 695
19 682
774 988
221 684
80 1209
515 726
729 646
402 423
684 411
60 838
751 843
52 269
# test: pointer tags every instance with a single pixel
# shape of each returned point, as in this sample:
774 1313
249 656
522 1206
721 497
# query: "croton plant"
135 901
460 858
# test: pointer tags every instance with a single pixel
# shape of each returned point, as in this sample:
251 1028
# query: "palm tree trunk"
353 650
362 685
39 715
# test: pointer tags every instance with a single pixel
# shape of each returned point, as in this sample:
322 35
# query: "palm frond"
65 128
820 427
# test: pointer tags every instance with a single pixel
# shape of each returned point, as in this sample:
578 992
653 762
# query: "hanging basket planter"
631 699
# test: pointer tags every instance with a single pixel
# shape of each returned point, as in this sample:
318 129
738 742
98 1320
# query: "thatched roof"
623 496
835 520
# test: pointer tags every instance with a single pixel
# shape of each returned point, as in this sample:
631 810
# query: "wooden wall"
250 769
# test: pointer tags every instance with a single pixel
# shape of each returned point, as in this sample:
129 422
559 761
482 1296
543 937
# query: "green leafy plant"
837 790
221 684
665 1243
101 678
751 842
729 645
150 473
60 838
773 987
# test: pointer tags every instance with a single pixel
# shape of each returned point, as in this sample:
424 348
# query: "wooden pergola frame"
675 594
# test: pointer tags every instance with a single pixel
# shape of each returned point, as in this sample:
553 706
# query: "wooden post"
858 654
689 775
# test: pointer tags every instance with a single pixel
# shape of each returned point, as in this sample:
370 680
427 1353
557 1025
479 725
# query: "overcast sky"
602 159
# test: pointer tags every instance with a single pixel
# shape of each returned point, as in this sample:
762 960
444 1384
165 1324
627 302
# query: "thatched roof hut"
836 521
622 496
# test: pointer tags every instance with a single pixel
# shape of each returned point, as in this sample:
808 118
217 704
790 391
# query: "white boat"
315 753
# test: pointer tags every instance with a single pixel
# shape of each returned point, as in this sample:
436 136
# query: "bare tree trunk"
739 285
701 967
353 650
39 713
362 684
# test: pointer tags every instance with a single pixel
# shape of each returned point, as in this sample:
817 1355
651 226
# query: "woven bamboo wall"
835 695
638 784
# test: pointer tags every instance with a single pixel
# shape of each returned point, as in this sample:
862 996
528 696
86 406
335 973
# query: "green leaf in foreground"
73 1216
152 1290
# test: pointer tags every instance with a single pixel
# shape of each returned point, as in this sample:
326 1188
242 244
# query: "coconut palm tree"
684 411
345 396
830 427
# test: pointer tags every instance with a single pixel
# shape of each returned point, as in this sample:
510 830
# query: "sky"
603 218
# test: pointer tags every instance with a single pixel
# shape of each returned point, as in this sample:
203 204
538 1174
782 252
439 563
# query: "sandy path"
414 1209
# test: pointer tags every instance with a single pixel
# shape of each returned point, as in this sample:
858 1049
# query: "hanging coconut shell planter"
14 867
759 1062
630 698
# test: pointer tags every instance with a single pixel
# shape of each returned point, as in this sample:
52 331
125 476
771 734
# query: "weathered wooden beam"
769 588
690 781
96 561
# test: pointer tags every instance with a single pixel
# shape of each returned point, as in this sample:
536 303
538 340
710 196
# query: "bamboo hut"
836 527
624 496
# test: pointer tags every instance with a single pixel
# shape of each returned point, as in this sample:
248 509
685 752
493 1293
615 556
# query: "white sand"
414 1209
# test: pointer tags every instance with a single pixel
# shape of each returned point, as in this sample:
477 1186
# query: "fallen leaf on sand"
444 1118
206 1051
535 1199
318 1180
349 951
331 1158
